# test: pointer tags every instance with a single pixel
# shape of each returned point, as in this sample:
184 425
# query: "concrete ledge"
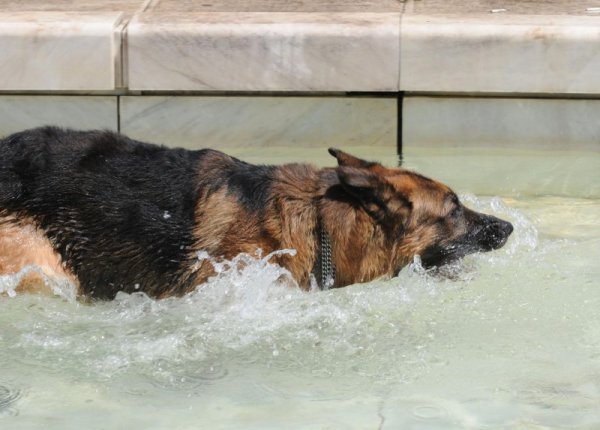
56 51
500 54
312 46
264 52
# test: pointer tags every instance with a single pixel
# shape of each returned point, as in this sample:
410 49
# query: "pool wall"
277 73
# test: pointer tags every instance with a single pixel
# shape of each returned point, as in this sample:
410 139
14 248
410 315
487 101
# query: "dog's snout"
496 232
507 228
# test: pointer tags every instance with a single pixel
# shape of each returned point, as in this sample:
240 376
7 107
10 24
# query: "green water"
513 342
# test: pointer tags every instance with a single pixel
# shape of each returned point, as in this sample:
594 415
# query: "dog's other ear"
369 189
345 159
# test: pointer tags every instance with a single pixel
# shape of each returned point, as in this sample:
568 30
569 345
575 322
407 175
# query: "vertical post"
400 99
119 113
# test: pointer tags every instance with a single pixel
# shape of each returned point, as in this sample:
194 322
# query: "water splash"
251 314
525 235
58 286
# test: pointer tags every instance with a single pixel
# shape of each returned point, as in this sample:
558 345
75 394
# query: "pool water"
509 339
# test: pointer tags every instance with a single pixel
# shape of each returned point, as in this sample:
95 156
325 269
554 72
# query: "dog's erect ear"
358 178
345 159
367 188
376 195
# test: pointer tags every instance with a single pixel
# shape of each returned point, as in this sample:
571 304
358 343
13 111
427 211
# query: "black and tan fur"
113 214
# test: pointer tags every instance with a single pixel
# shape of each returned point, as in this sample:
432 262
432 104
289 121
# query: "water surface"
511 341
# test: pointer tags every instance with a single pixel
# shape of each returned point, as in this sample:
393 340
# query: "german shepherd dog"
113 214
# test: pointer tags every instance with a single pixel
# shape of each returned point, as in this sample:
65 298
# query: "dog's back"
121 212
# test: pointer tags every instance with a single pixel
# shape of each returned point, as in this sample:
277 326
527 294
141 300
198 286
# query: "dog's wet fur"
113 214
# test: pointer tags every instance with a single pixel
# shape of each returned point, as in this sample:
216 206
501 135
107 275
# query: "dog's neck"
358 243
312 203
324 269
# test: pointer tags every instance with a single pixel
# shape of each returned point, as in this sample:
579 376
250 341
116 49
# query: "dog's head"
417 215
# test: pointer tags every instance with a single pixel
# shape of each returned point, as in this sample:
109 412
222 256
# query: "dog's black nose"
498 231
494 233
508 228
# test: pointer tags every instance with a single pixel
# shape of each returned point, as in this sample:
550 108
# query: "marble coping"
278 6
59 51
85 6
492 53
422 7
264 51
504 7
500 54
173 46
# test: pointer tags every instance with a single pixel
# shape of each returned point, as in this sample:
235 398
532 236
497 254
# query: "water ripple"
8 396
430 412
185 380
212 373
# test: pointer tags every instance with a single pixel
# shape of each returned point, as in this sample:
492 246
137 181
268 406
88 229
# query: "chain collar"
324 269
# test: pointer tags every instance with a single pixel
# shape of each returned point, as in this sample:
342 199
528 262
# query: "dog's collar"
324 269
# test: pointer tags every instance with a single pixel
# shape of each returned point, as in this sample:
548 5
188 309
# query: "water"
511 341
